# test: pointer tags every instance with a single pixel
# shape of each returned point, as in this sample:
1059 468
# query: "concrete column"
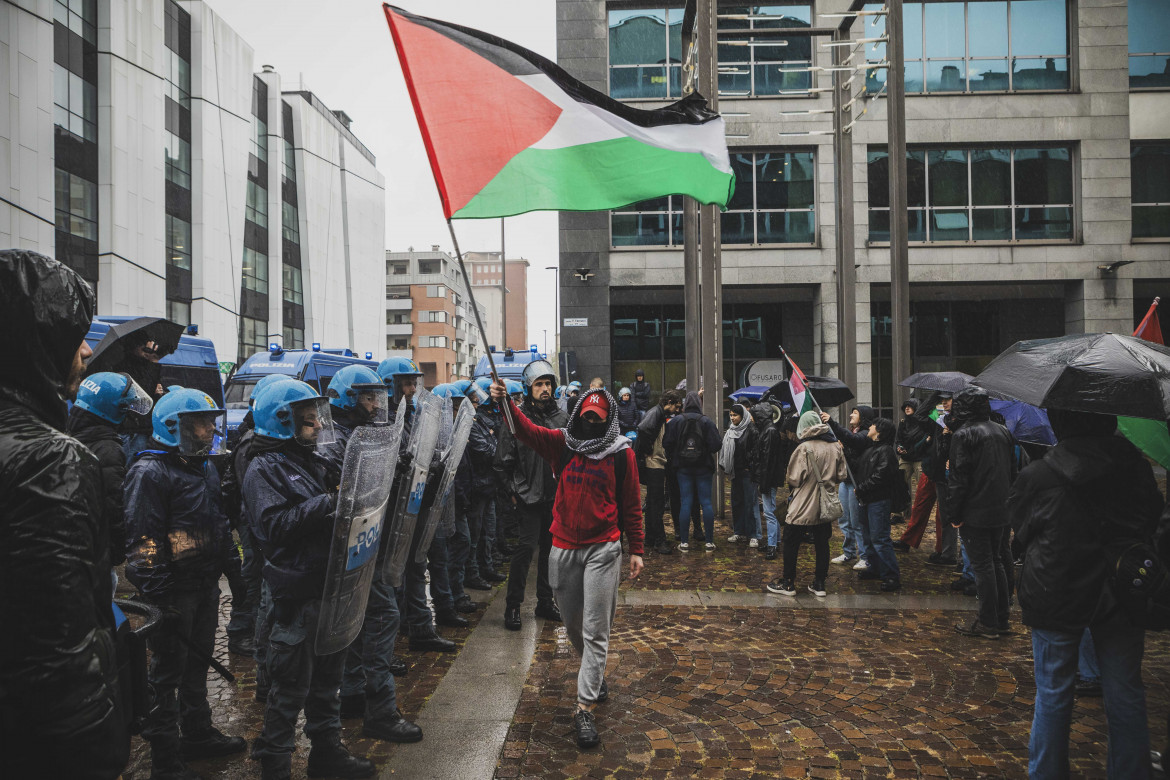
1099 306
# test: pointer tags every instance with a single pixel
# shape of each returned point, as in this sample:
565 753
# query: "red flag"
1150 329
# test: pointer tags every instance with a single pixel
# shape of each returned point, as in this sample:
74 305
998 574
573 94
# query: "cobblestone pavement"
754 693
236 712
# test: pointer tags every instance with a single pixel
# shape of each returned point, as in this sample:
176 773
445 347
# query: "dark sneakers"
818 588
782 586
449 617
891 586
586 727
770 552
398 667
332 759
477 584
432 643
512 618
977 629
936 559
210 744
548 610
465 605
392 729
901 546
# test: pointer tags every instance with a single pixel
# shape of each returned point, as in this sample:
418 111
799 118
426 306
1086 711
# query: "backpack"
691 450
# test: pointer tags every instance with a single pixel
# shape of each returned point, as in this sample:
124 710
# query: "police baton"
199 654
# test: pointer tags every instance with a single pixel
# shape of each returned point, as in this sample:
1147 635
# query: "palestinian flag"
508 131
802 399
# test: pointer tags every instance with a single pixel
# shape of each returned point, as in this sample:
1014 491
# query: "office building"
492 282
142 148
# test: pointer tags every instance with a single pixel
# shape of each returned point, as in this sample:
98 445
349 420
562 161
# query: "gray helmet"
535 370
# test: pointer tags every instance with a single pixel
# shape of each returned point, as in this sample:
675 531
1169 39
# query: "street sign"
576 322
764 372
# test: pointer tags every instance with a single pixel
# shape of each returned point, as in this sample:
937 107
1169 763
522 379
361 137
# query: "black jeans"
794 535
655 505
990 554
178 675
535 538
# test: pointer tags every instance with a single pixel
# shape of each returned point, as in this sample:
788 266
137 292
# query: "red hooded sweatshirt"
587 509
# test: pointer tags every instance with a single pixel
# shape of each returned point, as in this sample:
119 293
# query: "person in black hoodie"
61 713
735 459
691 442
856 441
910 443
641 389
878 480
934 467
1094 487
982 468
290 509
774 448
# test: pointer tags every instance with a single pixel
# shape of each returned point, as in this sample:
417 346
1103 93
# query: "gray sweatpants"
585 586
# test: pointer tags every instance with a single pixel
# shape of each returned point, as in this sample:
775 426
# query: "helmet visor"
203 433
313 423
134 399
372 403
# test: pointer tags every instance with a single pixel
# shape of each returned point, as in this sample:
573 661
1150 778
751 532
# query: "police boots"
166 763
332 759
210 744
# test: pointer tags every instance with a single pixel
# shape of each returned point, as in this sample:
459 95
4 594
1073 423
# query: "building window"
752 69
1020 194
656 222
256 208
259 138
432 316
1149 44
294 338
977 46
773 199
178 242
179 311
396 293
291 282
435 341
77 205
397 342
430 266
436 291
256 271
398 269
179 79
74 103
290 226
398 318
645 53
290 160
253 336
178 161
1150 188
80 16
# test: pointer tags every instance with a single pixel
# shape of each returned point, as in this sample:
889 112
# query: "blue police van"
510 363
315 366
193 364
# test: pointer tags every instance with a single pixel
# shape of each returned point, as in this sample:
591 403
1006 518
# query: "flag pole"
479 322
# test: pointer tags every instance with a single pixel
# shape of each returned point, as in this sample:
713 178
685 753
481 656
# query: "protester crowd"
139 474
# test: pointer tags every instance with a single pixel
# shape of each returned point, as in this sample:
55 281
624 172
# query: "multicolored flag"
802 399
1149 436
508 131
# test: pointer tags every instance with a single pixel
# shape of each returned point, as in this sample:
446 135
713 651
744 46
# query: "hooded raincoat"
816 459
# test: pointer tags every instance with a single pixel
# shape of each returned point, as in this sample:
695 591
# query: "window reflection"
1149 44
1150 188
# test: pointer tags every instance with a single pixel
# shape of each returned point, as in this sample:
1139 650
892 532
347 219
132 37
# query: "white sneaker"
754 543
736 538
842 558
683 546
710 546
861 565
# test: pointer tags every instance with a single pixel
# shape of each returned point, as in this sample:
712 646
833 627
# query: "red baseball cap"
595 402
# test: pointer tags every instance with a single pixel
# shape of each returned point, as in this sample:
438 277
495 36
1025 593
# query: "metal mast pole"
899 253
503 287
692 303
843 185
710 276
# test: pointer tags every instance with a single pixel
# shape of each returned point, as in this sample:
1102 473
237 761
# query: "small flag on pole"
802 399
508 131
1149 436
1150 329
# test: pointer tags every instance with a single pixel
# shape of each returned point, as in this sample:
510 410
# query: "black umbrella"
942 381
110 352
1103 373
827 390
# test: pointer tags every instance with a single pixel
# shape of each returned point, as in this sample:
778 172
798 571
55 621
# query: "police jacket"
233 476
463 491
983 466
290 514
641 392
528 475
481 448
1064 508
876 473
102 439
60 709
178 536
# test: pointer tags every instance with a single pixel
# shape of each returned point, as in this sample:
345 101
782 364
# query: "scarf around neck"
603 446
727 451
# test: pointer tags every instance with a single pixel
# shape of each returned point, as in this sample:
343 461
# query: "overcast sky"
343 51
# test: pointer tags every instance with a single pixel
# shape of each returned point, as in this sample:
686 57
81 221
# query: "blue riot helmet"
515 389
559 393
360 391
265 381
480 391
445 390
112 396
461 386
401 376
190 422
294 410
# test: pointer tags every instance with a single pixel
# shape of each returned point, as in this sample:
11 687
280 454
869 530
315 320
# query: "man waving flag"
508 131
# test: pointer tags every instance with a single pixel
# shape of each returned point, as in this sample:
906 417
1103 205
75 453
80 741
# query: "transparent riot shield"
357 529
405 518
448 465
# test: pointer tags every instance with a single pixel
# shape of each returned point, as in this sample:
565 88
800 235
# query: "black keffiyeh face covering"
576 437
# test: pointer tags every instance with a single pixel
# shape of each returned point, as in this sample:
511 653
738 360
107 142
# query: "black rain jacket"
628 416
481 448
877 473
1059 507
855 443
914 433
103 441
290 514
528 476
178 535
641 393
692 410
983 467
773 451
60 710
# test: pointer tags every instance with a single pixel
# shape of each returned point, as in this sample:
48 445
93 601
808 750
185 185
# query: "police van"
509 363
315 366
193 364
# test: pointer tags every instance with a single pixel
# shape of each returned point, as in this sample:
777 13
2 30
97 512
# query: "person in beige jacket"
817 460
